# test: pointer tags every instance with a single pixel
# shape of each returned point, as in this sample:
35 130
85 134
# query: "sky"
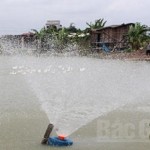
20 16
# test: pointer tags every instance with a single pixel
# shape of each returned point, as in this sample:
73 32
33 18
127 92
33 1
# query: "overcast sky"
19 16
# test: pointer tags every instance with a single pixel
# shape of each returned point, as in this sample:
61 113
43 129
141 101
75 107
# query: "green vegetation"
137 36
59 39
98 24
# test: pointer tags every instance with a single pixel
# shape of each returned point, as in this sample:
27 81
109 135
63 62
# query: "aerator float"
60 140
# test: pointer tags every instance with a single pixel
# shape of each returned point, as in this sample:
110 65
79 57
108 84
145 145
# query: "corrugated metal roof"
113 26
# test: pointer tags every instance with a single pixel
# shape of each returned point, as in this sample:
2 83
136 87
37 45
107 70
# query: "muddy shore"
135 55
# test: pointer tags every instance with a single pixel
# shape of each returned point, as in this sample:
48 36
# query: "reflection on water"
69 92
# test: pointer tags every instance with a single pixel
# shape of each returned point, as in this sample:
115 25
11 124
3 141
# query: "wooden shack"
110 38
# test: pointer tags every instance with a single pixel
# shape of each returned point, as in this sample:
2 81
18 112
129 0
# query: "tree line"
137 35
66 38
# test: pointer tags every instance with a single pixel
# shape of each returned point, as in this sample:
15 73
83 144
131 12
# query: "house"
110 37
55 23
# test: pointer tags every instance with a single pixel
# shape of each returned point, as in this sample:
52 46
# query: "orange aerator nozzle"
61 137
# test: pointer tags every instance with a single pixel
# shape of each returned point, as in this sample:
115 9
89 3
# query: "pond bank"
138 55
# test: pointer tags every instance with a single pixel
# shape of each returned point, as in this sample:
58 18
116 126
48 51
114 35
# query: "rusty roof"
113 26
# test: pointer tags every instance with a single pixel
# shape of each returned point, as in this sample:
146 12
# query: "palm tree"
137 35
98 24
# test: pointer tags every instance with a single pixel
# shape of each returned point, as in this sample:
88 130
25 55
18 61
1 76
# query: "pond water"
69 92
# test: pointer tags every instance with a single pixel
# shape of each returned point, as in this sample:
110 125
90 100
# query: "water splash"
74 91
13 45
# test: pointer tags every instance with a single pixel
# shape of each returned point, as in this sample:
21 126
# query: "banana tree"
98 24
43 36
61 39
137 35
39 37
